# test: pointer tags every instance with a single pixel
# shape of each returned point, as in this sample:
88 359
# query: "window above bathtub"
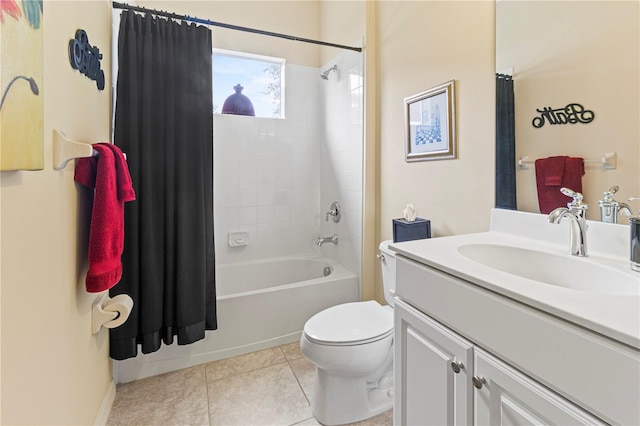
260 78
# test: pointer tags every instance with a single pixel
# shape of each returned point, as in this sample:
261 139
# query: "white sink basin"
563 271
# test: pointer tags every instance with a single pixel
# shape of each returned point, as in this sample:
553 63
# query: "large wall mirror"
574 52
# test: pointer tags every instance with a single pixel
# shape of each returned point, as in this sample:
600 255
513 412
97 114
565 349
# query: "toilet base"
339 400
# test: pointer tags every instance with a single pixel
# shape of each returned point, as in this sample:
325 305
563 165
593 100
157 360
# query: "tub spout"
332 239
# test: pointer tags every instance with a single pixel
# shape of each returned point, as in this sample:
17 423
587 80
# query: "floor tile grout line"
299 385
206 382
298 381
242 374
303 420
282 363
289 361
301 390
249 371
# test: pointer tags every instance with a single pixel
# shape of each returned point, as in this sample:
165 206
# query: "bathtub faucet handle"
334 212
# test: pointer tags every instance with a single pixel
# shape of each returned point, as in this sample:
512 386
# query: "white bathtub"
260 304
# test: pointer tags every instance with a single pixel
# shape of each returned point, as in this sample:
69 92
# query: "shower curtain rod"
117 5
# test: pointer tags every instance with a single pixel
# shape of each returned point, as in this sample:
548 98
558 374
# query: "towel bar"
609 161
65 150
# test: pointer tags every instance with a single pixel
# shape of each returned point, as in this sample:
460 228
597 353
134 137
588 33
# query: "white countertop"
615 316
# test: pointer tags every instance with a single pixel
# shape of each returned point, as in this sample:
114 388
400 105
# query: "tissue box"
407 231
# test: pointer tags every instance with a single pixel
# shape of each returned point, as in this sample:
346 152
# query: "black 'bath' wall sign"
86 58
571 114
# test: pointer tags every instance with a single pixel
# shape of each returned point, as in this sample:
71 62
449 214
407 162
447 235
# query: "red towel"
108 174
554 173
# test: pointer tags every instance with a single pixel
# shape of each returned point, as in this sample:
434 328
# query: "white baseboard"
105 407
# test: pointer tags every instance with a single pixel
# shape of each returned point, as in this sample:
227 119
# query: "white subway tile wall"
276 178
342 156
267 175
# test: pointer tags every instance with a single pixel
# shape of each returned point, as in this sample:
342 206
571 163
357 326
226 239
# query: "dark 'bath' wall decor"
86 58
571 114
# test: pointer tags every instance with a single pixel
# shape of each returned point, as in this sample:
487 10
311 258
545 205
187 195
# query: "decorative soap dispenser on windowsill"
635 240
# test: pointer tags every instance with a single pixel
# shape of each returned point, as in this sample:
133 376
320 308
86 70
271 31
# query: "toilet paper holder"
110 312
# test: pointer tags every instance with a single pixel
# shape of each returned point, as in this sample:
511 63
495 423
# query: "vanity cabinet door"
505 396
432 371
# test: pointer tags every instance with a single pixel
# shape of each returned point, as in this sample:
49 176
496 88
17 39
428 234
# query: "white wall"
421 45
342 148
54 371
588 53
341 22
298 18
410 47
267 175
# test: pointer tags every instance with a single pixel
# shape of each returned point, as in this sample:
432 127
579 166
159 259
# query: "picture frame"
430 124
22 83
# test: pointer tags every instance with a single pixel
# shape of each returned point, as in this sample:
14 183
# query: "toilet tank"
388 264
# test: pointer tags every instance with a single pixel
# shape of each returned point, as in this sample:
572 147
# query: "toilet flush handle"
380 256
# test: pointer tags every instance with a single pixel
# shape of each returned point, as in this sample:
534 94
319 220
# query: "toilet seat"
349 324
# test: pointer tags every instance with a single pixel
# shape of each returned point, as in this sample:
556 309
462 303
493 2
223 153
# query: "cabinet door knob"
478 381
456 366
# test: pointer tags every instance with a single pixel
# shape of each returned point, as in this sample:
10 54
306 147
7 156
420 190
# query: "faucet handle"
334 212
608 195
571 193
577 199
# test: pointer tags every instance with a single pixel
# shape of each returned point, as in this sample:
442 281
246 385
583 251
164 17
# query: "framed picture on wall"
430 123
21 82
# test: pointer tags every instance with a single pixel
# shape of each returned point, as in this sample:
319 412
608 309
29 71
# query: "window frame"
261 58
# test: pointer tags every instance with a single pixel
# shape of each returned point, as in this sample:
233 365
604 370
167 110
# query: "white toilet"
352 347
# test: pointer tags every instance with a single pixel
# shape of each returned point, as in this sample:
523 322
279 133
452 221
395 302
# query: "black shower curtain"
505 143
164 123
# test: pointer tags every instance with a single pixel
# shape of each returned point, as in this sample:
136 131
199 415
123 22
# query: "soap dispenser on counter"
610 208
635 240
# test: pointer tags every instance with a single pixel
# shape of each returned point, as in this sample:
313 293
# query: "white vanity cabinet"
516 364
505 396
438 372
432 377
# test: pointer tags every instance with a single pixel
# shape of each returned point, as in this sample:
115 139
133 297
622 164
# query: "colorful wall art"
21 75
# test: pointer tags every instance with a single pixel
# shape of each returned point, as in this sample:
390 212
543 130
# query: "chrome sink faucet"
610 208
332 239
575 212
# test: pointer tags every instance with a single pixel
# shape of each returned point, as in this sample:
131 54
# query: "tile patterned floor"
269 387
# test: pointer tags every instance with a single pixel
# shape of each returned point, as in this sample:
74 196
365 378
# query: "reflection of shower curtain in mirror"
505 143
164 122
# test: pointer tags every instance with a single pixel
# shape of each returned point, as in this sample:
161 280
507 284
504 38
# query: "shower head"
325 75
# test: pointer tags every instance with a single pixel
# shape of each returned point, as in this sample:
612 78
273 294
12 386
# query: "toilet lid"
349 323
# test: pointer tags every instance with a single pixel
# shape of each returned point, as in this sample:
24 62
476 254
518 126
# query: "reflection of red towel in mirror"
554 173
109 175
